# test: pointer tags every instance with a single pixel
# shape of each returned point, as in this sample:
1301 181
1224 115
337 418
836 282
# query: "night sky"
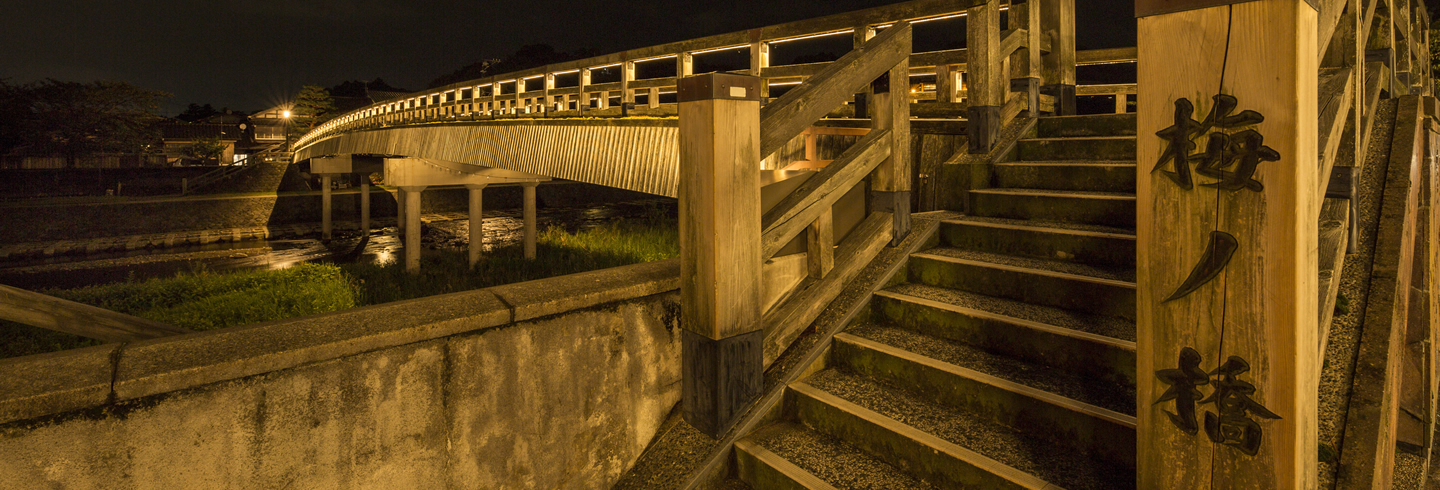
253 54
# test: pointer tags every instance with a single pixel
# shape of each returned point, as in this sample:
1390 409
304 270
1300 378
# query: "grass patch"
206 300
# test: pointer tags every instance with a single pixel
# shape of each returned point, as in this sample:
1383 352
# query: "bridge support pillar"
400 209
364 204
1057 21
477 230
721 350
325 206
412 232
529 212
986 93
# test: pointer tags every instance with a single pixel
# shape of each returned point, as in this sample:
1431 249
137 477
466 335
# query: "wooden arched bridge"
1120 300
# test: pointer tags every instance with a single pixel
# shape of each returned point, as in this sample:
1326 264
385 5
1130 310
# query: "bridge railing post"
986 93
890 182
719 194
1227 291
1057 21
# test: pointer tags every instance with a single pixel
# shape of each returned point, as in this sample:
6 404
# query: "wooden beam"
51 313
1227 287
796 211
801 106
820 245
1335 101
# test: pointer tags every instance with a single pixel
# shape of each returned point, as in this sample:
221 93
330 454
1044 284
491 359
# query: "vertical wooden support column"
653 100
862 34
987 85
759 61
684 65
1379 47
364 204
1026 64
1122 103
325 206
1227 289
1057 19
412 232
549 99
584 103
529 212
945 84
890 181
494 91
477 222
627 75
722 345
820 245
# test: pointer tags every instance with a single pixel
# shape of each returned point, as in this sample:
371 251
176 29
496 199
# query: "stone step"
1029 239
1079 148
1098 208
922 455
1089 354
1088 125
791 456
1058 284
1027 448
1067 176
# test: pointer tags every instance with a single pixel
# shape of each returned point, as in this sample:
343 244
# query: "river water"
503 227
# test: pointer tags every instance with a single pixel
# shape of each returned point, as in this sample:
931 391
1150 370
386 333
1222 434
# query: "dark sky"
252 54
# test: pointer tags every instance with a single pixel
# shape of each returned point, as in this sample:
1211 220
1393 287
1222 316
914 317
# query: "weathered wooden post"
1227 242
890 181
722 345
1026 65
1057 19
987 90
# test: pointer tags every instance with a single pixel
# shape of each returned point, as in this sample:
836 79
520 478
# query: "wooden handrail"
51 313
792 214
792 113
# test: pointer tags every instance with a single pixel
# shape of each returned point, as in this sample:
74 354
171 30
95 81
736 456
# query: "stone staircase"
1005 356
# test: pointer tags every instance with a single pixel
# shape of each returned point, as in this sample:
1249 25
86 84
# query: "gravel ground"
1032 453
1109 326
1076 387
1338 369
833 460
1127 275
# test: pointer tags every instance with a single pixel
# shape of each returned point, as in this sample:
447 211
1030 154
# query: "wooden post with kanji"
1227 244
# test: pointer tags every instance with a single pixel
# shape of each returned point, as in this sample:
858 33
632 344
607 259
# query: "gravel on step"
1063 225
833 460
1070 385
1127 275
1050 460
1109 326
1408 466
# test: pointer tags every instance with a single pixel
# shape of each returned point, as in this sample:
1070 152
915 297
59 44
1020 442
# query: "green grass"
205 300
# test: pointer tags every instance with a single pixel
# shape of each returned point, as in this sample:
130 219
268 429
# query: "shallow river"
502 227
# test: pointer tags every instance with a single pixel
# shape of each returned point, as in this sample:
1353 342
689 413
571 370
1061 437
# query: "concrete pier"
477 230
412 231
530 232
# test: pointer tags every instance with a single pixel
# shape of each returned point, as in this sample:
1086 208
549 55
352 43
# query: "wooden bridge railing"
506 95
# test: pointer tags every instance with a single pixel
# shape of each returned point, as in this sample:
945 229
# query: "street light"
286 115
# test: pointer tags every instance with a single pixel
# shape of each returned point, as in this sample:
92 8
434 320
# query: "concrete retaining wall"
558 383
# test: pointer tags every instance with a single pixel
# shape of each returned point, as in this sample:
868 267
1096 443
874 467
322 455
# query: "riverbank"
202 299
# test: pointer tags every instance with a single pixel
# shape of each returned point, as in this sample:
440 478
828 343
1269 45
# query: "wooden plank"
934 58
1109 89
1012 40
1103 56
784 323
792 214
1334 237
51 313
1367 458
820 245
1335 102
801 106
1261 305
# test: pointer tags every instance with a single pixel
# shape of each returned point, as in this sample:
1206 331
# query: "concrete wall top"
48 384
